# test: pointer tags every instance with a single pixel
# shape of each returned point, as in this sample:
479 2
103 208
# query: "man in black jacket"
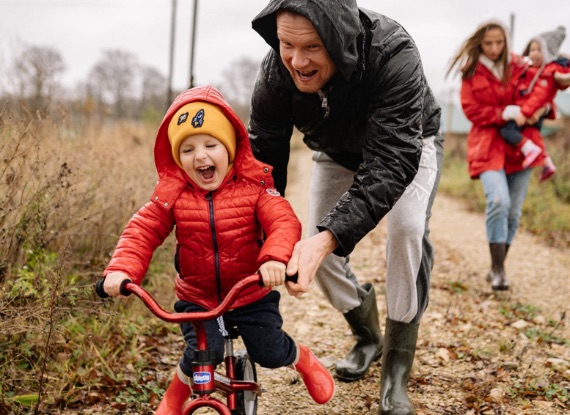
352 82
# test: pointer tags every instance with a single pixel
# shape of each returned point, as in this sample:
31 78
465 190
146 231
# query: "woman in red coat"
230 223
489 77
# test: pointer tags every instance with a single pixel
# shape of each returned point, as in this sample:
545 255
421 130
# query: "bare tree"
154 85
113 77
35 74
238 82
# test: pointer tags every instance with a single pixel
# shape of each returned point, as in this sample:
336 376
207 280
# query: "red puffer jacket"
543 91
220 234
483 98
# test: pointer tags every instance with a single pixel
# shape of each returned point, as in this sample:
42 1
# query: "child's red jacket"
222 236
543 91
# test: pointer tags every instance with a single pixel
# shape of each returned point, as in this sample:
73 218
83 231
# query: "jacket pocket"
479 144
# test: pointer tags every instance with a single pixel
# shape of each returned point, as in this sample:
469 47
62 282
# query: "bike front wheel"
245 370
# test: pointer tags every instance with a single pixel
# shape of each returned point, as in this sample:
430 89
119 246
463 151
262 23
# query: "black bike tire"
246 401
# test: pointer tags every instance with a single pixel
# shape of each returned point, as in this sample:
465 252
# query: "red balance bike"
239 383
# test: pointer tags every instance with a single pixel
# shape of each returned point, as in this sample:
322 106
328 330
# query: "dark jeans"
259 325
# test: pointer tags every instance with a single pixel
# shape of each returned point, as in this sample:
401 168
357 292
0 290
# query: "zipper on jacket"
210 199
324 103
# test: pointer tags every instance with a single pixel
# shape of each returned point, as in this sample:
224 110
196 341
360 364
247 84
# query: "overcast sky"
81 29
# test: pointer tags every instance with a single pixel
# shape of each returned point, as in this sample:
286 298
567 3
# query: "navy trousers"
259 325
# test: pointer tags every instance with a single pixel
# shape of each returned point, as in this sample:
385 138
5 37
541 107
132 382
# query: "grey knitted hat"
550 43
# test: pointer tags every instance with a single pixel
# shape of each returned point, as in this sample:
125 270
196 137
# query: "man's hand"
307 257
273 273
112 284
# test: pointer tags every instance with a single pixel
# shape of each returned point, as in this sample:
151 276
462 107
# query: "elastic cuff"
510 112
182 376
297 355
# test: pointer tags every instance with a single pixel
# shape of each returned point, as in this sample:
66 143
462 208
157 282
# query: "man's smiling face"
303 52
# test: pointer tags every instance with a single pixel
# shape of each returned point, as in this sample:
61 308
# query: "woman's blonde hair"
468 55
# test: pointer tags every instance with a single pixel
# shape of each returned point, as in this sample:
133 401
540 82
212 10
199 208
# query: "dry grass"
58 189
64 199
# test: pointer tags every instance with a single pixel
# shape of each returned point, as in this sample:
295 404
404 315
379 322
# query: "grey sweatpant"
409 251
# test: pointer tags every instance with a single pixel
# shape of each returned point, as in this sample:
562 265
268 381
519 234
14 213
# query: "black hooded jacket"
369 118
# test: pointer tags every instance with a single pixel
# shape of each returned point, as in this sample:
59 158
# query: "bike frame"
205 380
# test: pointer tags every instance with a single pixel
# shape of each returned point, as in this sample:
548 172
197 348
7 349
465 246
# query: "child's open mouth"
206 172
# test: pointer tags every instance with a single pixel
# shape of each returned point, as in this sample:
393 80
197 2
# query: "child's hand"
563 79
542 111
273 273
520 119
112 284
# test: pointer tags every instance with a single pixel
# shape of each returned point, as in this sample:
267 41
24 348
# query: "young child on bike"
230 223
535 94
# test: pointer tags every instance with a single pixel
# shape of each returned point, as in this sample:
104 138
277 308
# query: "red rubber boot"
316 377
174 398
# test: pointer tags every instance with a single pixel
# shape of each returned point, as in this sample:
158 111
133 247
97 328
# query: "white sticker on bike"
201 378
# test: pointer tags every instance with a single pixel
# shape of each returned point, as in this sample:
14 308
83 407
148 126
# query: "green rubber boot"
399 351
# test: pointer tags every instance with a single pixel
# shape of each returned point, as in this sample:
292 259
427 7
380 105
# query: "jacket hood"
506 31
337 22
172 179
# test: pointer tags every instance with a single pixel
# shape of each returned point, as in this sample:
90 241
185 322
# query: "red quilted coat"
222 236
483 98
543 91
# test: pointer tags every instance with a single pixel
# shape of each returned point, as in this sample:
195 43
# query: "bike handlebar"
128 287
100 288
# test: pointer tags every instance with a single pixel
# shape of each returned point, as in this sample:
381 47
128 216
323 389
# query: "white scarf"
496 68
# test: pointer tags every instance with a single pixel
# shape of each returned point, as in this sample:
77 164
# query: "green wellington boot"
365 326
399 351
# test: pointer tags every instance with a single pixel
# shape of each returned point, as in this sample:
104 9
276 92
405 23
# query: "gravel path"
469 352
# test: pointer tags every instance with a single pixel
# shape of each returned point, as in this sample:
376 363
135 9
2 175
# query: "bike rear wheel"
245 370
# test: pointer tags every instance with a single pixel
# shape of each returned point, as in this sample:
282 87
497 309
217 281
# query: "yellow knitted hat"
201 118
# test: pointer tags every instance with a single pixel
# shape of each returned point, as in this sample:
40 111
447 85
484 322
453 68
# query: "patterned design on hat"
182 118
198 119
